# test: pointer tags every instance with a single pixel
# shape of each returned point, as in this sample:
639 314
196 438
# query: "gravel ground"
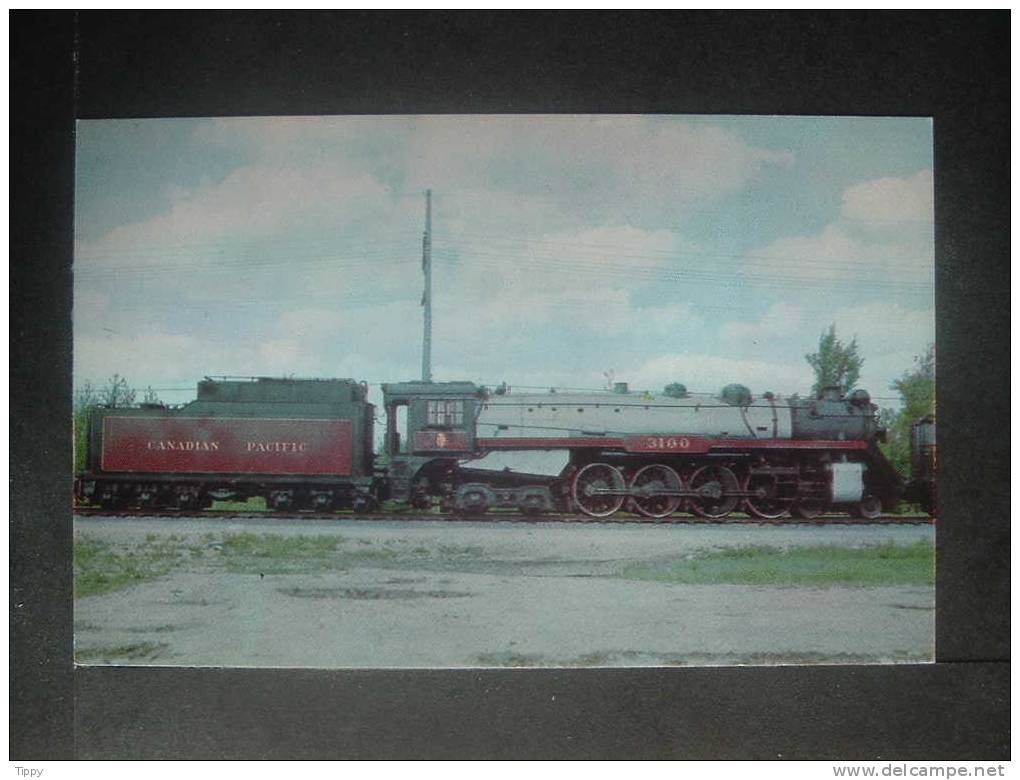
497 594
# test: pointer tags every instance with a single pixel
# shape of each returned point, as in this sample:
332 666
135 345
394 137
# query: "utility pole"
426 299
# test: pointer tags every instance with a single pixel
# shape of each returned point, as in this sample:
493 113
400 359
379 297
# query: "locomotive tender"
298 443
308 444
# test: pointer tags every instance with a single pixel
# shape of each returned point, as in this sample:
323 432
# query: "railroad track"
506 517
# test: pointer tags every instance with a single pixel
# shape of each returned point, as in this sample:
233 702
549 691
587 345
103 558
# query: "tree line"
837 363
117 393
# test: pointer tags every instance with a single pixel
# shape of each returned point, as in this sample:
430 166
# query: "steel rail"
493 517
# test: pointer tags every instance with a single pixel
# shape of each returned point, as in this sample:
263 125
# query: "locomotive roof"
273 379
430 388
279 390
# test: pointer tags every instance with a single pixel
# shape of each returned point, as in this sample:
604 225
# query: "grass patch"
167 627
373 594
391 506
270 546
794 657
249 553
885 564
512 659
134 651
100 567
594 658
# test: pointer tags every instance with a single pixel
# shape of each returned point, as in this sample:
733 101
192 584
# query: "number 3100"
667 442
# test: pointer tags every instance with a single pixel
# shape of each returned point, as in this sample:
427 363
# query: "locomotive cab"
439 417
438 421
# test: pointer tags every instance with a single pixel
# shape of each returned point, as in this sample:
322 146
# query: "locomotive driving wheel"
767 501
813 493
599 489
651 481
714 487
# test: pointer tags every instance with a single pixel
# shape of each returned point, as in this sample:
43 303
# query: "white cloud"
269 135
888 241
556 252
710 373
603 168
561 263
891 199
279 356
253 203
149 357
781 319
88 302
888 338
706 157
880 325
381 329
568 295
519 170
280 228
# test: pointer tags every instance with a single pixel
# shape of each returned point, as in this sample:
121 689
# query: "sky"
568 251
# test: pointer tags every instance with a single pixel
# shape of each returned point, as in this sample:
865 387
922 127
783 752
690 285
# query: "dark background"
953 67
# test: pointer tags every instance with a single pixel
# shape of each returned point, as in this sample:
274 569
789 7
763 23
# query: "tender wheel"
650 480
147 497
766 503
870 508
320 501
281 500
714 486
109 499
187 498
589 485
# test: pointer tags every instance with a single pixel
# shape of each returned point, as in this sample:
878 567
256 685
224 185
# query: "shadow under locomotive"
308 444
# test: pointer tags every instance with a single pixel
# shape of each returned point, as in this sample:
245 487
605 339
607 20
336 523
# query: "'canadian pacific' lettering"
276 446
183 445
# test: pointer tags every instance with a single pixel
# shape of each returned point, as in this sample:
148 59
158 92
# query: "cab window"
445 413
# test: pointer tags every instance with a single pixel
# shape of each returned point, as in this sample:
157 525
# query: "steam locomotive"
308 444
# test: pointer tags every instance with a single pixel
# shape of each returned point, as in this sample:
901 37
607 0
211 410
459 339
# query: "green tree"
917 387
85 397
117 393
917 392
675 390
835 363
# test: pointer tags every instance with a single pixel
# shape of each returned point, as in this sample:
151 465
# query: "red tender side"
205 445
